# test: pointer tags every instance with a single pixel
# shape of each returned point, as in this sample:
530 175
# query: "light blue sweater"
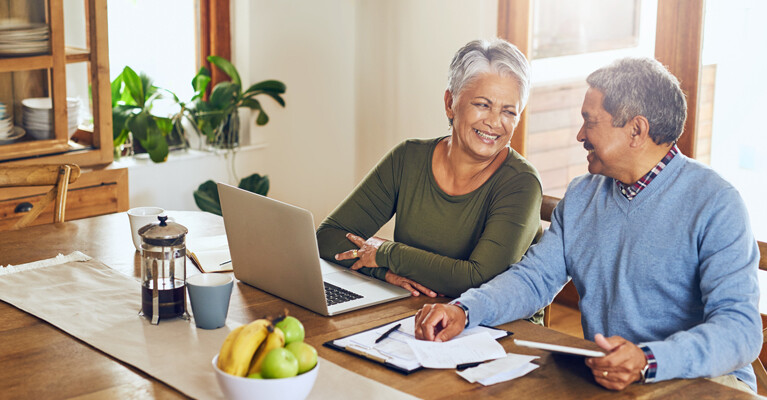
675 269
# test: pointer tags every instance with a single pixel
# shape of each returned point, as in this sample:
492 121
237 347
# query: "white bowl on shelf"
239 388
16 133
38 116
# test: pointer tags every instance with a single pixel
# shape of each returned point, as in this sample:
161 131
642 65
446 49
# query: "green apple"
279 363
255 375
292 328
305 353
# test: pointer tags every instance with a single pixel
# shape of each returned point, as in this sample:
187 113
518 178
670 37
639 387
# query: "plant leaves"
115 86
139 125
276 98
158 149
120 139
120 115
262 119
165 124
200 83
206 197
227 67
251 103
255 183
268 86
134 86
149 90
223 95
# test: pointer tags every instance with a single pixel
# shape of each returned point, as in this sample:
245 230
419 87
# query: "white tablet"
559 349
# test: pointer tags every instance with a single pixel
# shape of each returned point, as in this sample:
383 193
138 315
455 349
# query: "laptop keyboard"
336 295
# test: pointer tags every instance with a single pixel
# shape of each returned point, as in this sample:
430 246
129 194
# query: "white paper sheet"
395 349
212 253
467 349
503 369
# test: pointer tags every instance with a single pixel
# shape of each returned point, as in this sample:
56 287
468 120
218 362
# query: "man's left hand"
621 366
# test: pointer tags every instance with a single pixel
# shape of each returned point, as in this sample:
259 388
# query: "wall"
361 77
403 53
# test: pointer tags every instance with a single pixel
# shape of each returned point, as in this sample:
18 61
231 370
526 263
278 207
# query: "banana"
226 348
274 340
245 345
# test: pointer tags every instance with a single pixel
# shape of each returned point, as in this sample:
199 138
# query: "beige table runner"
99 305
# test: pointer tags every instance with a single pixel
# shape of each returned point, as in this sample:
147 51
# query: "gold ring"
604 374
354 253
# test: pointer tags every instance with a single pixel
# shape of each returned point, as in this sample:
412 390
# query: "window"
159 38
732 52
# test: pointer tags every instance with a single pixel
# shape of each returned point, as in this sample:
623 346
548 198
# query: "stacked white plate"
38 116
19 38
8 132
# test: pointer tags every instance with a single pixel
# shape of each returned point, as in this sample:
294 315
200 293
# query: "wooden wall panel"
678 38
514 25
215 36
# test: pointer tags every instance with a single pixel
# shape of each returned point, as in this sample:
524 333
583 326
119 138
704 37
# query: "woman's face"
485 115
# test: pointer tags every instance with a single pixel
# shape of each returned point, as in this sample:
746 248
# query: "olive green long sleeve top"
446 243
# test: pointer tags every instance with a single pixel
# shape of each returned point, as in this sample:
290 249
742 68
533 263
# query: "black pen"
387 333
462 367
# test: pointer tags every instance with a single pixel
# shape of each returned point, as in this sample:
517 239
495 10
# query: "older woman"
466 205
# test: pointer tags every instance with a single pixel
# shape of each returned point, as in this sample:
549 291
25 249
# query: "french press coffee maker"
163 270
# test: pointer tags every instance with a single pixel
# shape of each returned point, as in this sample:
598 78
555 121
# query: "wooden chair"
759 371
547 208
60 176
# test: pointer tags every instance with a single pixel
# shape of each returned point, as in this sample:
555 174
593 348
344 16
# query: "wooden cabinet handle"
23 207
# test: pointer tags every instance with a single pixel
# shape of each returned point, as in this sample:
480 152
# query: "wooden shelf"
75 54
46 76
12 64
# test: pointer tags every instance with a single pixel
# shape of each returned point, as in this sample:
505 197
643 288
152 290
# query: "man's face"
607 145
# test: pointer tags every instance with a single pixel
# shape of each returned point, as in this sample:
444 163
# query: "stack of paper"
402 350
500 370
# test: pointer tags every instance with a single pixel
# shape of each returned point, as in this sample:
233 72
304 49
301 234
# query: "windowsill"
142 160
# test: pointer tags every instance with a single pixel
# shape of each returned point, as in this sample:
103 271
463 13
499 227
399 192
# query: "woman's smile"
487 136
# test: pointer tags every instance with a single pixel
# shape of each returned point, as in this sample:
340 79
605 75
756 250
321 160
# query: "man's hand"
439 322
622 364
414 287
365 255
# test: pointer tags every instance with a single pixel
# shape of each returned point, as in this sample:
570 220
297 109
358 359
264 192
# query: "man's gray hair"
481 56
642 86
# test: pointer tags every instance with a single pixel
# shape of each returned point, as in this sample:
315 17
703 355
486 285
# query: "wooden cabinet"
97 192
100 189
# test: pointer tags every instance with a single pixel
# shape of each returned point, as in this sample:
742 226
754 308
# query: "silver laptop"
274 248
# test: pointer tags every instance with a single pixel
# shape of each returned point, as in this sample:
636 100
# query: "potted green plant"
133 97
217 119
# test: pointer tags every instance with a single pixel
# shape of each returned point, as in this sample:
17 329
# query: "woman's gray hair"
642 86
481 56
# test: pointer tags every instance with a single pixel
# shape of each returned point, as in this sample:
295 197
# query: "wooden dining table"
37 360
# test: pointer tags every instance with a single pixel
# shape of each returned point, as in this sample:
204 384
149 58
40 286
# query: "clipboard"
392 353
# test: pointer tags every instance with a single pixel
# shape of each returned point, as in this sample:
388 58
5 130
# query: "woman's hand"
414 287
366 254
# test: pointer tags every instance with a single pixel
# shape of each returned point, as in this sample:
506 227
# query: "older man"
658 245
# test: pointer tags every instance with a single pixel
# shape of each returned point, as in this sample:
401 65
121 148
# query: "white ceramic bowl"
239 388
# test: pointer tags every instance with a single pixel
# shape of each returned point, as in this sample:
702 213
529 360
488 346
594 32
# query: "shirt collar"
630 191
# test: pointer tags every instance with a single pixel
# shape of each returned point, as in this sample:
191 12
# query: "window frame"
678 43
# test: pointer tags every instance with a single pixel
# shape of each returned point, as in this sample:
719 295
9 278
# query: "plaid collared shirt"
630 191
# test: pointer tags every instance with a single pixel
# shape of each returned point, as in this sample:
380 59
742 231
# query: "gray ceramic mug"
209 295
